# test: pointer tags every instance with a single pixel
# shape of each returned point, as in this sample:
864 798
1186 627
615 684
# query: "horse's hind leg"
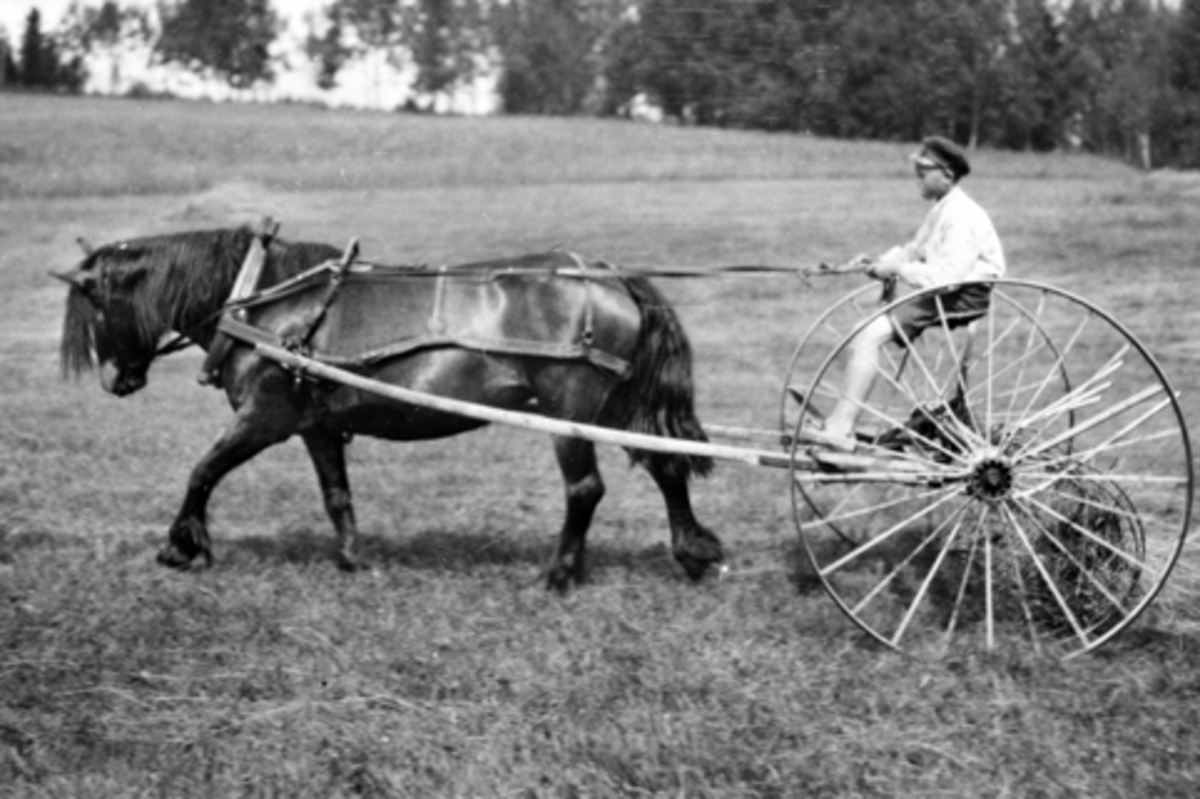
327 448
695 547
585 489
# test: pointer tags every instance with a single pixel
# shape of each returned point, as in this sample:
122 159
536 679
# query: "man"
955 244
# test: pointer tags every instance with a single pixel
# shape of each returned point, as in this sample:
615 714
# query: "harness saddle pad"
378 313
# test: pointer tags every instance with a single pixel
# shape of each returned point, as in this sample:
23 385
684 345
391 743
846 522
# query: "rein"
180 341
246 296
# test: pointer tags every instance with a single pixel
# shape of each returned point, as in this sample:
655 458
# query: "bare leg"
327 449
859 379
585 488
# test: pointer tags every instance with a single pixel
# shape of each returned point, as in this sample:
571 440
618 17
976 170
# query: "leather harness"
233 324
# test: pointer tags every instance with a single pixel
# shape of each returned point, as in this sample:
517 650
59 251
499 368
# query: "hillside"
78 147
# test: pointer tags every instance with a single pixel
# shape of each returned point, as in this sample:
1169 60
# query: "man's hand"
883 270
860 263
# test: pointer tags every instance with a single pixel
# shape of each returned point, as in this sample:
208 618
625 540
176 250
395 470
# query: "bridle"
180 341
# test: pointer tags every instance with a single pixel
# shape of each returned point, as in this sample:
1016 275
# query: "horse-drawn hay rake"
1027 477
993 491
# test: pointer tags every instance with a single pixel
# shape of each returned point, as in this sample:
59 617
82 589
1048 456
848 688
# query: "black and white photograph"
568 399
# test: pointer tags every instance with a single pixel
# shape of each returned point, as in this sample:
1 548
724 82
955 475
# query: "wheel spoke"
1026 357
955 517
965 578
1055 369
835 515
929 576
887 534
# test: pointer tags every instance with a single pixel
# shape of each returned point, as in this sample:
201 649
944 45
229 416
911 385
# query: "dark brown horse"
510 333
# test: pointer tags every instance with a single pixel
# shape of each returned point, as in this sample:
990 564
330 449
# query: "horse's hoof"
696 568
172 558
350 563
560 580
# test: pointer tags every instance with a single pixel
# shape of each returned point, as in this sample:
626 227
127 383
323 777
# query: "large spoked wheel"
992 501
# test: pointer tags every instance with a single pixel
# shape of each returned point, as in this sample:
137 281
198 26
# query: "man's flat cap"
942 153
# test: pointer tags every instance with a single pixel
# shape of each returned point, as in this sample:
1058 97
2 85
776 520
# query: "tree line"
1118 77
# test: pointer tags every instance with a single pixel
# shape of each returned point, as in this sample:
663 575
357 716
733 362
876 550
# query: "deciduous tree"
227 38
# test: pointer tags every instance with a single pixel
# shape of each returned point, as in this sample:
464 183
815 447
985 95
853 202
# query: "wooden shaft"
904 471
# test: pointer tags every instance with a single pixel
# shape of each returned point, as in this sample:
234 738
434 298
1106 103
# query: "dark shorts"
958 306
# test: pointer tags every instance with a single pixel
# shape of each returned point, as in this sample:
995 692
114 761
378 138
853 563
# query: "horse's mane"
173 281
76 349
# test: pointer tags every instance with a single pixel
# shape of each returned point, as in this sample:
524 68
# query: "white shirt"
955 243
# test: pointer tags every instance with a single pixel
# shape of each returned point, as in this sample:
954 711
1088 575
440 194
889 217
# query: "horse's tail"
660 392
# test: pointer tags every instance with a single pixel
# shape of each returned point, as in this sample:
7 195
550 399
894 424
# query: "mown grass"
446 670
189 147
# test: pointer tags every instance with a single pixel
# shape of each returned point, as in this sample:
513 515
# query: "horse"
628 366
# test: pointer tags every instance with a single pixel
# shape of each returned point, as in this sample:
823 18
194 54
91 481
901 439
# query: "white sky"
370 82
14 12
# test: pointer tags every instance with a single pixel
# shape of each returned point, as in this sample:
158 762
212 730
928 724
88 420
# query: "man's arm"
949 258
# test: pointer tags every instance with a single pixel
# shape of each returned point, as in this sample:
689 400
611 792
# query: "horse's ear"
78 278
85 245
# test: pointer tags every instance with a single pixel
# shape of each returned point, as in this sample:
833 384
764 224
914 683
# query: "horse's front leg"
585 489
327 448
249 434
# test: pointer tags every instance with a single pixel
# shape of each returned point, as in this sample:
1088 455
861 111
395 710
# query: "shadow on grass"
1143 639
439 550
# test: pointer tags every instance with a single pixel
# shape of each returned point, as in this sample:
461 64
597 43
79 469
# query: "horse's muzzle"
120 383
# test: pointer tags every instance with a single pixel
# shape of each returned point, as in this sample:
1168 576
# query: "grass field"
446 669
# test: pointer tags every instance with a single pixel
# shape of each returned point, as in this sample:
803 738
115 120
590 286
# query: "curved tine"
1093 421
1114 442
1145 565
1042 487
1063 605
1022 593
1086 393
1061 547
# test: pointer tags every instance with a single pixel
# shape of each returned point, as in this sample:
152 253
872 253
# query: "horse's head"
105 324
124 297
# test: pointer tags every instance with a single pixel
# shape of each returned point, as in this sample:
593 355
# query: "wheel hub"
991 476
